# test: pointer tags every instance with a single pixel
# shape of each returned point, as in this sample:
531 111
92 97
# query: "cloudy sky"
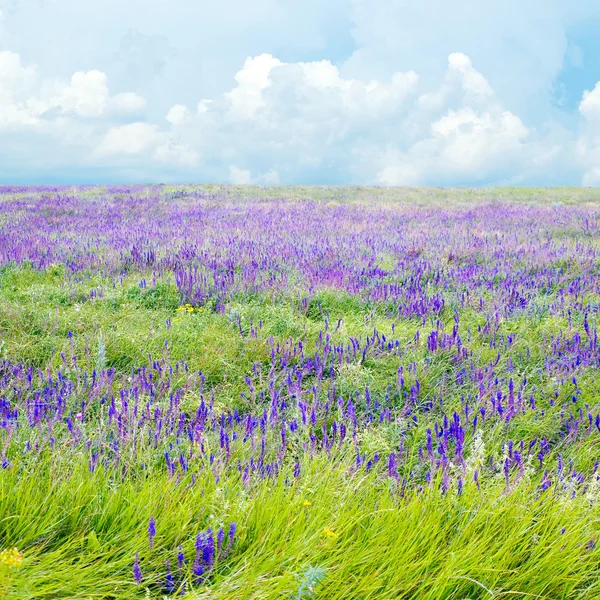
385 92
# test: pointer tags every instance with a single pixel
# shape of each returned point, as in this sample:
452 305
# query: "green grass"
82 529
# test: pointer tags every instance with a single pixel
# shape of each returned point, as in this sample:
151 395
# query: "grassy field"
337 393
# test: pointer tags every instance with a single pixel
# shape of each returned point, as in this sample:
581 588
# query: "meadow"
331 392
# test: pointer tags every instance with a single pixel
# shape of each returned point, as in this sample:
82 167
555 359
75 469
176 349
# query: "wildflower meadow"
331 392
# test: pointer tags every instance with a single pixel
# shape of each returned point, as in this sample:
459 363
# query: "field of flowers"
337 393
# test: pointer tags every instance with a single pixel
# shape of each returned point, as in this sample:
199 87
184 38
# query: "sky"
370 92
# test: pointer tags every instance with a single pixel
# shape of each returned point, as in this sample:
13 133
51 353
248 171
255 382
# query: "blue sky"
384 92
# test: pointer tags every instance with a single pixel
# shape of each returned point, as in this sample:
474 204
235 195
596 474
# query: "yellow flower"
307 503
190 309
329 533
11 558
181 308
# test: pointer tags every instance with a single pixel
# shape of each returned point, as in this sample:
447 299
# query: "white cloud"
309 87
589 106
86 96
469 140
178 114
306 117
14 77
462 144
246 99
460 65
27 102
127 103
171 151
133 138
143 139
588 144
16 82
239 176
203 106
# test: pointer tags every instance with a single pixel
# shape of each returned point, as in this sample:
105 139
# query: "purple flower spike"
198 571
546 482
137 572
199 545
169 582
208 552
220 539
151 531
232 530
507 472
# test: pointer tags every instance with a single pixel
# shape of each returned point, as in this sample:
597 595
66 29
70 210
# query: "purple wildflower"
169 582
208 550
137 572
220 539
232 530
198 571
151 531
